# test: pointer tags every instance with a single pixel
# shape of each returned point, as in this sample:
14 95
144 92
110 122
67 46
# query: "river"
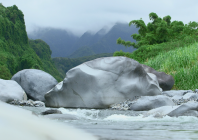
129 125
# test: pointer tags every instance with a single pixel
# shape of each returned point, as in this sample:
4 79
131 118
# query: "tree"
158 31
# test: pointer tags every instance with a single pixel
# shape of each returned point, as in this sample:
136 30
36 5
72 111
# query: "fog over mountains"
65 44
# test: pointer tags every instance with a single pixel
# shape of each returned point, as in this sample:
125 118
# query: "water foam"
141 118
82 113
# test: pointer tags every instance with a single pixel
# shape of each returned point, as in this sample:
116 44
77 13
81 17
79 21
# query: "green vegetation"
181 63
65 64
15 52
159 31
43 51
146 52
172 50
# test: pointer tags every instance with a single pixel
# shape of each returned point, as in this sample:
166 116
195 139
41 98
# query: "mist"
88 15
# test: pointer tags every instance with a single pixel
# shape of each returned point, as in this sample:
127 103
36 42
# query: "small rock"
51 111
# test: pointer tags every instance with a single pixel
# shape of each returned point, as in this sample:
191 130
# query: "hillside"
15 52
174 53
64 44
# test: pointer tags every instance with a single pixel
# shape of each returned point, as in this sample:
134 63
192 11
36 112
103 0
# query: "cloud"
80 16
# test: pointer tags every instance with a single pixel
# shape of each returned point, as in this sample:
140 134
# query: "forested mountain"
15 51
64 44
65 64
60 41
43 51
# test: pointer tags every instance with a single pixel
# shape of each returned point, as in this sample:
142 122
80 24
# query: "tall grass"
181 63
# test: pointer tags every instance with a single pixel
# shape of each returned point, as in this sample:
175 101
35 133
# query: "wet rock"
165 81
51 111
102 82
36 83
173 111
189 96
151 102
172 93
10 90
30 103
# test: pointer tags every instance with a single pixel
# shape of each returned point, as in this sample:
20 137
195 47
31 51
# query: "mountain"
106 43
60 41
64 44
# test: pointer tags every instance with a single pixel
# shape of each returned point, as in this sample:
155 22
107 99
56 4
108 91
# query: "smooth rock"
165 81
172 111
36 83
10 90
102 82
151 102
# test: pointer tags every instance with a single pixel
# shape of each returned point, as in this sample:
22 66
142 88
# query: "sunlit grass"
181 63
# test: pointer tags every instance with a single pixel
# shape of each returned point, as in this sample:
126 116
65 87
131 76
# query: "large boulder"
102 82
165 81
10 90
36 83
151 102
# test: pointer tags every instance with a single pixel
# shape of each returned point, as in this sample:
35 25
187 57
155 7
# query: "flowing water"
130 125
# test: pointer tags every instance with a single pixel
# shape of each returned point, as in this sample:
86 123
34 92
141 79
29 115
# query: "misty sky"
80 16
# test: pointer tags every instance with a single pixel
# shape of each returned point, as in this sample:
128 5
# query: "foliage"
159 31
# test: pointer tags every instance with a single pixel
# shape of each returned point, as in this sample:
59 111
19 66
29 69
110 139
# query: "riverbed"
109 124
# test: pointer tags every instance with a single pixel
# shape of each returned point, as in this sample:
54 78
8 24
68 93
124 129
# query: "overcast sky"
80 16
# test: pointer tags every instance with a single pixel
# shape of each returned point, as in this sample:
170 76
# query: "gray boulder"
181 110
165 81
36 83
151 102
102 82
11 90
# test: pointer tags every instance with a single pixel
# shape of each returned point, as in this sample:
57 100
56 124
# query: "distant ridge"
65 44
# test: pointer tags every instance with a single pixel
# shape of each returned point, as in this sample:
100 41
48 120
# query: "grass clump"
181 63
